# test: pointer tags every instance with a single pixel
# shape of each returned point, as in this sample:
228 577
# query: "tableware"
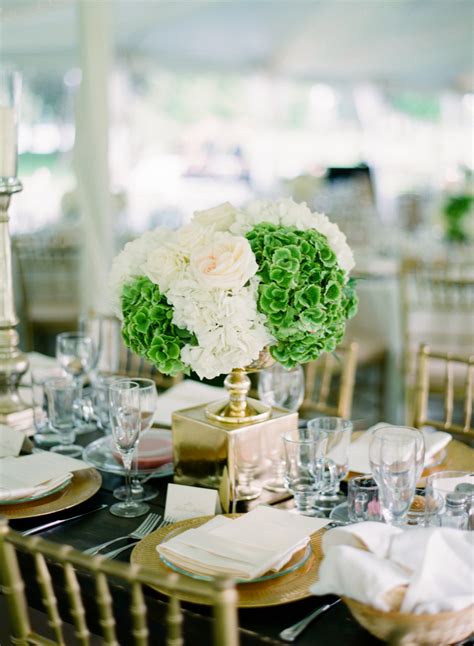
100 454
147 526
125 417
100 400
44 435
39 495
439 485
363 499
383 432
84 484
291 633
305 468
113 553
61 521
248 452
63 396
285 589
278 386
148 404
396 476
337 449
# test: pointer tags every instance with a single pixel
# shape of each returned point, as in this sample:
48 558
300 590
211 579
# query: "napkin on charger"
423 570
265 539
359 449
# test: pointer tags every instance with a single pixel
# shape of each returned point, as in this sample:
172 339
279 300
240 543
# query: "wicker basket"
403 629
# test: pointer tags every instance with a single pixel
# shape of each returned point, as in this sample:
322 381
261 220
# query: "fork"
113 553
147 526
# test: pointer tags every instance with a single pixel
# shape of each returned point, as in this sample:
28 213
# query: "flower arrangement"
211 295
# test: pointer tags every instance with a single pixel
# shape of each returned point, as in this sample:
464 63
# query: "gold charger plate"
290 587
84 485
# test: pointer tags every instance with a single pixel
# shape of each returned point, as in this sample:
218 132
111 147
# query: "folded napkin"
23 476
11 441
20 493
245 548
359 449
424 570
185 395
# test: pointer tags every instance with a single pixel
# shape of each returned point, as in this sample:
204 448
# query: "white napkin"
20 493
359 449
245 548
11 441
186 394
427 570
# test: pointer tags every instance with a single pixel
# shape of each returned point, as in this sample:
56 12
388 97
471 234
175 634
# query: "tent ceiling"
416 43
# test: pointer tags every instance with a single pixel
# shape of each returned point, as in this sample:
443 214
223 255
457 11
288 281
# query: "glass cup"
307 471
248 455
125 416
397 460
278 386
148 404
63 401
423 512
44 436
363 499
101 400
397 431
439 484
339 432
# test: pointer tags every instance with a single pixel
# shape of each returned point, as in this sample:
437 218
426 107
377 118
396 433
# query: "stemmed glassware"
148 404
383 432
278 386
248 454
125 417
397 476
44 435
63 396
339 432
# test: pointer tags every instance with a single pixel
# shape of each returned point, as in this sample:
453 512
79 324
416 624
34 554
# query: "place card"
11 441
183 502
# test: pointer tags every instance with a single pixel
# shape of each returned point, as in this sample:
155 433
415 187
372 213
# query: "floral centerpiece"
210 296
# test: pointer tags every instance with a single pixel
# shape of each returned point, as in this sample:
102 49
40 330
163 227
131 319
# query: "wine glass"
397 476
125 417
278 386
339 432
148 404
396 431
63 396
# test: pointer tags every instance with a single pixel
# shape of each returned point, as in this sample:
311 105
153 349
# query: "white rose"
227 262
220 217
165 265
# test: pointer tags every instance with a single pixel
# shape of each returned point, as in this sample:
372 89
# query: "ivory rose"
227 262
221 217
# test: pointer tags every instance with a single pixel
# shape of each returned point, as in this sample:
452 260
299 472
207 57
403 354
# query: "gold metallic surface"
84 485
273 592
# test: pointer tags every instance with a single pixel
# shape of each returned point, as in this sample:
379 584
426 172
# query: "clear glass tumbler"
63 396
397 477
383 432
44 436
363 499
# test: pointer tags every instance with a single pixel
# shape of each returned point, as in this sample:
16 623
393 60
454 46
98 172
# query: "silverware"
148 525
113 553
54 523
292 632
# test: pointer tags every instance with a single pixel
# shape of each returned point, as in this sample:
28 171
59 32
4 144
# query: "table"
257 626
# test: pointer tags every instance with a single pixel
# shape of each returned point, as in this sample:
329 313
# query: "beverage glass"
397 431
63 397
307 471
363 499
440 484
44 435
339 432
125 417
397 476
248 455
148 404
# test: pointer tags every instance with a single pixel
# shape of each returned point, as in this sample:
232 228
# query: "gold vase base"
223 411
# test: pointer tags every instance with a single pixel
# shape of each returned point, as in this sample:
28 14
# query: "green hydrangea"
148 329
302 292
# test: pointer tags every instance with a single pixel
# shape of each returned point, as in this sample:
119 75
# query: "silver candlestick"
13 363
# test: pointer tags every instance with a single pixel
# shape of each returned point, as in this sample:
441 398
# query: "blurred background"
136 113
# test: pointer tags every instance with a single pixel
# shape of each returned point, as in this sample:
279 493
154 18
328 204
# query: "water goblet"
44 435
148 404
125 417
339 433
382 432
397 476
63 396
278 386
248 454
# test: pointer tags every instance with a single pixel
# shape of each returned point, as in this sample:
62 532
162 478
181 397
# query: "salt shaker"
455 514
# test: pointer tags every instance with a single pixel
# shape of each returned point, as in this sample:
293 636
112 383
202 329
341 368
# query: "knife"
40 528
291 633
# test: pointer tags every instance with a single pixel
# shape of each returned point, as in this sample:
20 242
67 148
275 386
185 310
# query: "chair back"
457 421
95 574
320 378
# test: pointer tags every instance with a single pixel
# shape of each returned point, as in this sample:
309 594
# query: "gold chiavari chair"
96 573
460 425
319 382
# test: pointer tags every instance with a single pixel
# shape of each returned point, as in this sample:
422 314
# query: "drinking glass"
248 454
339 433
396 431
101 400
363 499
148 404
307 471
63 396
125 420
44 435
397 476
438 485
278 386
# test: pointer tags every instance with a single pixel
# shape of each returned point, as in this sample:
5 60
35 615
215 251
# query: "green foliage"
148 329
456 210
302 292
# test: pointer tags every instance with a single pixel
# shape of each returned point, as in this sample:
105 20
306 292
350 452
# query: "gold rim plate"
84 485
285 589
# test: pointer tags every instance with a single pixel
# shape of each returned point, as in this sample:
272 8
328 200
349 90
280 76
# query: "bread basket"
406 629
